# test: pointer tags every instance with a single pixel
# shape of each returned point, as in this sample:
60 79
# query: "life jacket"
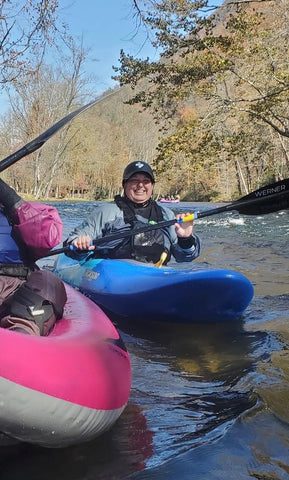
10 257
144 247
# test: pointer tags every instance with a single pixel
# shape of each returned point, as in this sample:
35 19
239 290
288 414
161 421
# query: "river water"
207 402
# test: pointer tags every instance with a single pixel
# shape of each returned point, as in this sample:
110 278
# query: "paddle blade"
268 199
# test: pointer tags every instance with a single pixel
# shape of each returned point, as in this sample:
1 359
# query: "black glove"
8 197
187 242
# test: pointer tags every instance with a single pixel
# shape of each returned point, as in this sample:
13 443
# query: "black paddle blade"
268 199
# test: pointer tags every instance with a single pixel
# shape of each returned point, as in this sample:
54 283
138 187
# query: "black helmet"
137 167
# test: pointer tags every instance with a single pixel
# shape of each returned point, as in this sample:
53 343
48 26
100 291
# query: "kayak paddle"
268 199
43 137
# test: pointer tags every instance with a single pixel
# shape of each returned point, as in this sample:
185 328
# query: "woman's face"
138 188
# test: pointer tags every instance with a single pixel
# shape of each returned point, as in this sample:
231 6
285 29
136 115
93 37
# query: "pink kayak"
66 388
166 200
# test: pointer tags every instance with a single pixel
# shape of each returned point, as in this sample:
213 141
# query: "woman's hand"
83 243
183 230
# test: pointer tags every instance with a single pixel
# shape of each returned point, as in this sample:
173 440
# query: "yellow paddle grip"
188 218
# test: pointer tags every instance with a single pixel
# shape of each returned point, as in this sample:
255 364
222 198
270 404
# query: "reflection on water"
114 455
207 402
255 447
193 381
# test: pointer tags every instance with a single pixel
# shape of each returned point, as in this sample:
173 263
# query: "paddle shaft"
278 201
41 139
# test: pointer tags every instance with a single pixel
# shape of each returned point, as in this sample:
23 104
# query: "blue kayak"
142 292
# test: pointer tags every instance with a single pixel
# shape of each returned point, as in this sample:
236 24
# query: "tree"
234 67
37 105
27 29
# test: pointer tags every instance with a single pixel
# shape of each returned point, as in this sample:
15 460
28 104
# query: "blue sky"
106 26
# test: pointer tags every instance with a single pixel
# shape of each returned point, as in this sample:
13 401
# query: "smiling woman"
139 188
136 207
138 181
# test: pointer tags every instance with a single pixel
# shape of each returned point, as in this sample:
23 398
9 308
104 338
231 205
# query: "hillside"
215 126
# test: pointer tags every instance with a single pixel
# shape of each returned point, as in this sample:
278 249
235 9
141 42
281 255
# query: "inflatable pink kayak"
166 200
66 388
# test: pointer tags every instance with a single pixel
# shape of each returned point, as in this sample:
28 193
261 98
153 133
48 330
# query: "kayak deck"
139 291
